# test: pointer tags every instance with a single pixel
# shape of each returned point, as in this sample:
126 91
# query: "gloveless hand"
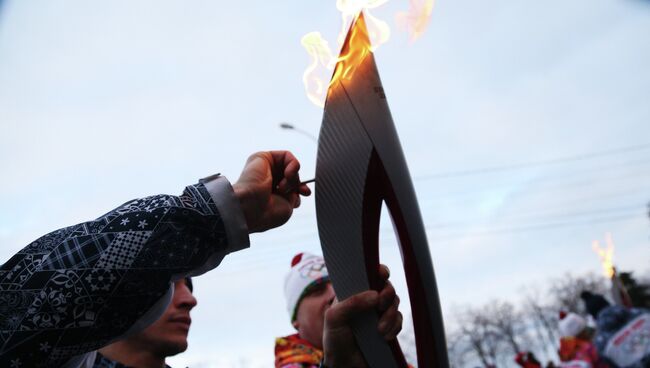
269 189
339 345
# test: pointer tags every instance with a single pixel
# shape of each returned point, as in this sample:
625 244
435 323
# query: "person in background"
594 303
314 314
164 338
622 334
527 359
576 348
308 293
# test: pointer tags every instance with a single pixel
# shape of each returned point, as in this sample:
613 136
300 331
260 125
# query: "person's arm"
81 287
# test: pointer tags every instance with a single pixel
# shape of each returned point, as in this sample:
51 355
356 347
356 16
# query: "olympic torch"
606 255
360 166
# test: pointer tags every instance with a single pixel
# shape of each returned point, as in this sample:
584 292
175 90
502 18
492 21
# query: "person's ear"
295 324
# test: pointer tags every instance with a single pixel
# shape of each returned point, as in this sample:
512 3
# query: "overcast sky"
105 101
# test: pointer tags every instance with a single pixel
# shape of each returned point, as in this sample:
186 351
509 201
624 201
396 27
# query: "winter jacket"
294 352
623 336
580 353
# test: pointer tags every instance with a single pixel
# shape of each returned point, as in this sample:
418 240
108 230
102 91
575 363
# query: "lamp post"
288 126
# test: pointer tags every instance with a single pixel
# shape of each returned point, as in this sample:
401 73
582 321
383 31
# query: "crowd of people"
608 336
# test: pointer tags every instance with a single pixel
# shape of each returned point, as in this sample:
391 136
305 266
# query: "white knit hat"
571 325
307 270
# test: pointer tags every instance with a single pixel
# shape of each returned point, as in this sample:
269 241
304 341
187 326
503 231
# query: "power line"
536 227
597 197
605 173
585 218
539 222
545 217
272 256
434 201
555 184
562 195
560 211
523 165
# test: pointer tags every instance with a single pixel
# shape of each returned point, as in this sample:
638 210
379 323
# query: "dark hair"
594 303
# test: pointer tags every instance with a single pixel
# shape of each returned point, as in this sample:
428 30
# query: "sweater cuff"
230 210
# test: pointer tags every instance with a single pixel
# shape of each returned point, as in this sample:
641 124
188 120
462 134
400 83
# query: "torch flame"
376 31
356 47
606 255
416 19
321 57
350 10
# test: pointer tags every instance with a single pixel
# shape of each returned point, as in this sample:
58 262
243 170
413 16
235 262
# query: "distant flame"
414 21
606 255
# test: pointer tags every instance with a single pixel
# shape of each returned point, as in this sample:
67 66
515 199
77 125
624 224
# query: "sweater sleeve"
79 288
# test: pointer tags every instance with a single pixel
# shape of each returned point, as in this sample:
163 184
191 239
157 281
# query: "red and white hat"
307 270
571 324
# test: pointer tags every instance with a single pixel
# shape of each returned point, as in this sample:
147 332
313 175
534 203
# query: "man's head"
168 334
165 337
594 303
309 294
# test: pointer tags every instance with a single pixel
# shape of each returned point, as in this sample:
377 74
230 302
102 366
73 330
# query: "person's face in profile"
310 317
168 335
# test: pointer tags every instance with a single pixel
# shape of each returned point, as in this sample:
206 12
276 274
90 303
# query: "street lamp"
289 126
